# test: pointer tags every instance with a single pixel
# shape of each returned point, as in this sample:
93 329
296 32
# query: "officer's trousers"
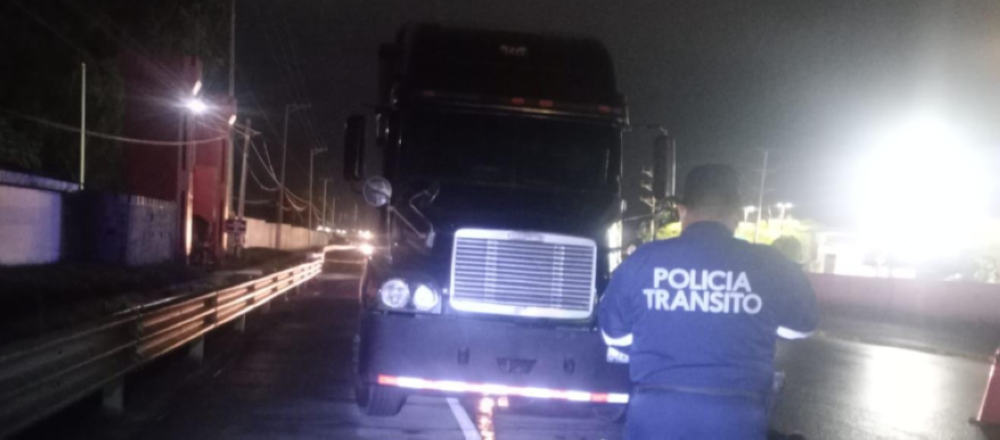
673 415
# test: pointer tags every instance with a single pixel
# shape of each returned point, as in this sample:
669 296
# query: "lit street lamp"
747 210
196 106
783 207
924 158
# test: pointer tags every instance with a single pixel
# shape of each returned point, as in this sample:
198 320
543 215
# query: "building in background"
159 95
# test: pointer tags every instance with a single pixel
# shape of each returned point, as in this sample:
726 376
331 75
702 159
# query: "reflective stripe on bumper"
501 390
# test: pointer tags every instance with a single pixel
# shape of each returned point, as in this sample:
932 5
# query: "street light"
922 162
783 206
747 210
196 106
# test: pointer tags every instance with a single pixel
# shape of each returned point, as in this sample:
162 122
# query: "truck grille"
523 274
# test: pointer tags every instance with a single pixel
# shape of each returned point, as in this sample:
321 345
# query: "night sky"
812 81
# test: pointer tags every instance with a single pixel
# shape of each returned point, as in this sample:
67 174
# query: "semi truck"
499 209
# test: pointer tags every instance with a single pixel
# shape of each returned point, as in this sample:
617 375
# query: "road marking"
468 428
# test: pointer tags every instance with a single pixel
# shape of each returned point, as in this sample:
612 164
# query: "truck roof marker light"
502 391
547 103
517 101
604 109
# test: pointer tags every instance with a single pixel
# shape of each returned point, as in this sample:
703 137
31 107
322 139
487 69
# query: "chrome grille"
524 274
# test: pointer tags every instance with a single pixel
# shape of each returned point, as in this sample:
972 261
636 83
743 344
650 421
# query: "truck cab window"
511 150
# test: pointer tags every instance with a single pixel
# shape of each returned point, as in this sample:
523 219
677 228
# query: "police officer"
698 317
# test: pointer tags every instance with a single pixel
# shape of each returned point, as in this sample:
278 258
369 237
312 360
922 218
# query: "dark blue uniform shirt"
704 310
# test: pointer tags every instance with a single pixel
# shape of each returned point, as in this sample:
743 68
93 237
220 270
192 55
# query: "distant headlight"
425 298
366 249
394 294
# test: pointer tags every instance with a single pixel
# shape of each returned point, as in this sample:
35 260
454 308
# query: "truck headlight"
425 298
394 294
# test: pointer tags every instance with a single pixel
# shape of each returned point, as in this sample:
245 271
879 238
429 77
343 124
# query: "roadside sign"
236 226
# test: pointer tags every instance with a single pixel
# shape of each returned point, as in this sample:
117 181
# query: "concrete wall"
952 300
119 229
261 234
30 226
151 231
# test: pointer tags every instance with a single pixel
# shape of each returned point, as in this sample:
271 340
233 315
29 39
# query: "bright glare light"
486 405
898 389
196 106
366 249
196 89
915 169
232 119
365 235
749 209
424 298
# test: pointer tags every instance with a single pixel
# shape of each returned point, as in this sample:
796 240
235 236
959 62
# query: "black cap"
712 185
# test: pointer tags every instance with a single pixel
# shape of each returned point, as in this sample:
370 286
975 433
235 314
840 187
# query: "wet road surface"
291 378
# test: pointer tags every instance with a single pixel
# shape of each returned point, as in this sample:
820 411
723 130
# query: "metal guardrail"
43 375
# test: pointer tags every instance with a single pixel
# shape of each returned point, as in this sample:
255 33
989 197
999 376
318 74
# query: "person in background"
698 317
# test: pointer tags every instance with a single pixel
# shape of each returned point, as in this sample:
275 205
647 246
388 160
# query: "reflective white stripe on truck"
500 390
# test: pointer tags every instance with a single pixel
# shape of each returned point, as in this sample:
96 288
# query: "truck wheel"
379 401
609 412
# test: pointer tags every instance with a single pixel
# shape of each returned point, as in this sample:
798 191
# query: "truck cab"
500 218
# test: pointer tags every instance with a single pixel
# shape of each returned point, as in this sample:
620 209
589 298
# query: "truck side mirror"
377 191
664 167
354 148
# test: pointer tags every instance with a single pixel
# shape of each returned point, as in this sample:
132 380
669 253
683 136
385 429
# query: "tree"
790 247
47 41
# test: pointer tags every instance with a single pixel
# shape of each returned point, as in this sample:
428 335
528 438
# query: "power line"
291 65
259 183
267 165
112 137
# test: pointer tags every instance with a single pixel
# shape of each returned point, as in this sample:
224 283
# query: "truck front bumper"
466 355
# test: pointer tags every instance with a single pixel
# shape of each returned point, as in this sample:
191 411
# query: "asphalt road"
290 378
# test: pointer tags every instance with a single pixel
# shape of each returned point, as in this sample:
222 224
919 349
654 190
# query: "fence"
41 376
261 234
958 300
31 218
119 229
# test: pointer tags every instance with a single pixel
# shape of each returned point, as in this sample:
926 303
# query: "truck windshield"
511 150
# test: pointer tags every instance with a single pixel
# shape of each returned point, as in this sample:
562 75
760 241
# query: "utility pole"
231 139
312 156
322 221
289 108
83 123
243 184
243 171
760 199
232 48
333 212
